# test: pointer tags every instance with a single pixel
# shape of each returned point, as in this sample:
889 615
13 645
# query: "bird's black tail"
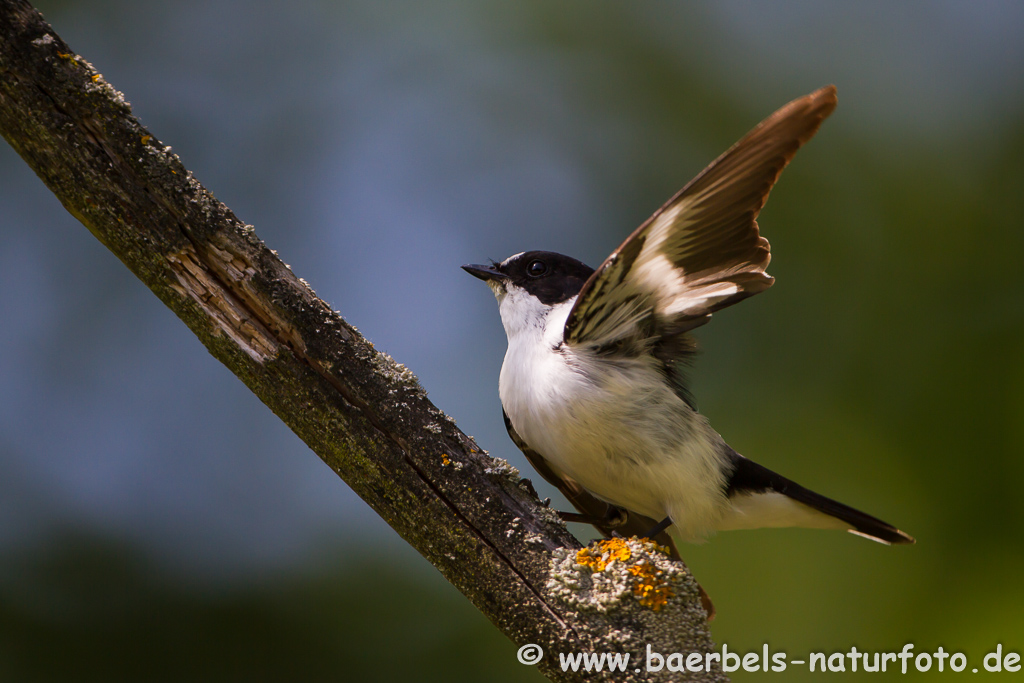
750 478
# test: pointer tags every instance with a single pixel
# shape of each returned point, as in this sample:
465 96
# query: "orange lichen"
651 543
445 460
649 585
606 551
650 588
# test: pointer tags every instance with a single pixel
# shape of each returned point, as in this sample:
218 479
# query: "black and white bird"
592 384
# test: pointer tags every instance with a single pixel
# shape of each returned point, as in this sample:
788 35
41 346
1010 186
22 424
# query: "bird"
593 386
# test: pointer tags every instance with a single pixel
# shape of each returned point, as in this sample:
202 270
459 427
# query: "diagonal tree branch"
364 414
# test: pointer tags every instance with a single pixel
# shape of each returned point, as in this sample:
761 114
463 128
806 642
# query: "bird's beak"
486 273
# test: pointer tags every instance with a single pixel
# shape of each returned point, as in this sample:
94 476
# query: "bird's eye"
536 268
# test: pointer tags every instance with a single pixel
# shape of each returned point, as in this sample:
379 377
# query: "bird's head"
530 285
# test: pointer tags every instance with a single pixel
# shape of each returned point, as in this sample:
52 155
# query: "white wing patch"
702 251
668 285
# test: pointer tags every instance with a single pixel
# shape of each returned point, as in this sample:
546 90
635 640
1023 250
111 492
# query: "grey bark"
364 414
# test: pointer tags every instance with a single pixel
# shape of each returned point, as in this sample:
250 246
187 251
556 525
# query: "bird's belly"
623 435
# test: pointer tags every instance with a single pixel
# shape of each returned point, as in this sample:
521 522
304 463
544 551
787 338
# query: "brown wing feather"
701 251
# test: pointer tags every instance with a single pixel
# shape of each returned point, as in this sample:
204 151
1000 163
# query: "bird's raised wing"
701 251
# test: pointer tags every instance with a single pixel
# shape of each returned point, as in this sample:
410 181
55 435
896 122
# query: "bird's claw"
614 518
659 527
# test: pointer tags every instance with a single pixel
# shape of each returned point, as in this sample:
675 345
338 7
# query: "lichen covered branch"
364 414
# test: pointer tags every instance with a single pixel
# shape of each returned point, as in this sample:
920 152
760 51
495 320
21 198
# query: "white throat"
535 381
527 320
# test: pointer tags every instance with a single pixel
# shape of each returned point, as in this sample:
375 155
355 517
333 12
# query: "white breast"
615 427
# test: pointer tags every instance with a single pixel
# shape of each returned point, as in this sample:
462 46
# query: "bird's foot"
615 517
612 519
659 527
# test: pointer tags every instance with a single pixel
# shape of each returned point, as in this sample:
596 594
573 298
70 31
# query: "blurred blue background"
158 523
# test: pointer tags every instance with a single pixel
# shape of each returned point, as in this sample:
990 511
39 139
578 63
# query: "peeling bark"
364 414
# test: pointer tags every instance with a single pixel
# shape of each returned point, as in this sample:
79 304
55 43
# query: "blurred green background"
158 524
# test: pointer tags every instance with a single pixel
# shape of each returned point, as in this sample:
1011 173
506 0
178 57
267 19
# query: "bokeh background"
157 523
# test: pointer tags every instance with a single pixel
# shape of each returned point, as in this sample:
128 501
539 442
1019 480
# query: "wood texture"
364 414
